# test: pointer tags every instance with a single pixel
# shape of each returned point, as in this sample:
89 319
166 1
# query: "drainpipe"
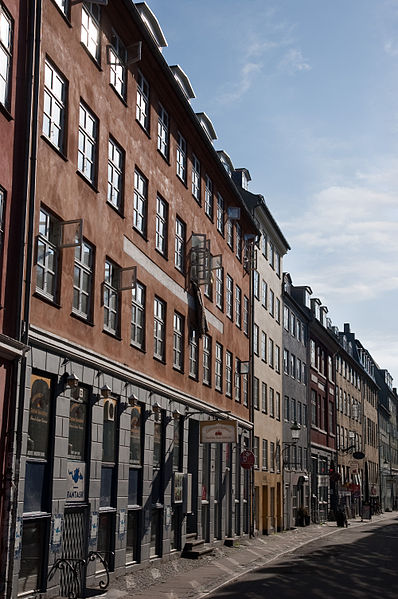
29 193
251 386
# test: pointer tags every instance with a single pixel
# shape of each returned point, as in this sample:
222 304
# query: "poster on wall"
94 528
178 487
122 523
18 538
76 482
39 416
56 536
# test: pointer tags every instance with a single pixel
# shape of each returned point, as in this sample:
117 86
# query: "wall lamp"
133 400
156 408
106 391
177 414
71 381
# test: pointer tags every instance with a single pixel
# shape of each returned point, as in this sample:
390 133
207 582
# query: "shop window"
33 550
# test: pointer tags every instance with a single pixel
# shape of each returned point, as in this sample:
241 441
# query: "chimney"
347 327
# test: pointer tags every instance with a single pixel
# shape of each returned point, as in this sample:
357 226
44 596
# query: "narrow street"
358 562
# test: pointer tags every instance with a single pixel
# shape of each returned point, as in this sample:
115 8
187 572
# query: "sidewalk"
183 579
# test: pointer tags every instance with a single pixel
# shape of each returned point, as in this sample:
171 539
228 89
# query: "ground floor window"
156 533
133 536
105 542
35 532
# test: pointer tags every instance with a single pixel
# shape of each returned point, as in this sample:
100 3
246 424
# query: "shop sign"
218 431
247 459
75 482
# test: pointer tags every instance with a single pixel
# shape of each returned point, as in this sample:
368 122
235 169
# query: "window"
220 214
246 315
218 374
245 389
220 288
277 264
228 373
271 402
63 5
256 284
277 358
161 226
138 316
229 297
256 442
181 157
237 380
230 233
265 454
271 254
293 410
271 302
285 361
208 197
272 456
256 392
88 139
238 242
159 328
196 178
292 365
83 280
179 246
264 398
270 352
292 324
278 457
256 345
277 310
263 346
142 108
90 32
115 174
111 298
178 342
238 306
298 369
264 244
54 105
314 415
117 65
140 202
47 255
193 354
286 317
264 292
286 408
163 131
206 359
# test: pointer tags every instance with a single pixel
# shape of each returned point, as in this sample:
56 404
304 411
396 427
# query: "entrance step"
231 541
195 548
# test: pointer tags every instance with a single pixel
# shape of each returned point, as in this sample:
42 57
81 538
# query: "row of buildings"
145 315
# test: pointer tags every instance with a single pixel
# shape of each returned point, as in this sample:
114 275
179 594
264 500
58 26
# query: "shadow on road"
362 568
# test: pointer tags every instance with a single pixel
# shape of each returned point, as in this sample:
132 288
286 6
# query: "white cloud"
293 61
391 48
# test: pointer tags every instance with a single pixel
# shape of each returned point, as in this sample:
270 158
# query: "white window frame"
219 294
256 344
163 131
111 297
159 328
161 226
90 30
193 354
138 296
220 214
140 202
179 245
263 346
142 106
229 297
181 157
237 381
47 255
238 306
206 356
238 241
245 315
218 368
196 187
115 174
178 342
83 279
54 106
87 145
208 197
228 373
117 67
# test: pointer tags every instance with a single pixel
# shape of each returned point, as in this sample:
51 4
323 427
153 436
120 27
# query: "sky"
304 94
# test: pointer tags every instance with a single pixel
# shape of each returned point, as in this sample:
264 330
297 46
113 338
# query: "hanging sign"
218 431
75 482
247 459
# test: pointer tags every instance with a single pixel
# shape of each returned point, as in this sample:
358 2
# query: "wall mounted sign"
218 431
167 516
75 477
94 528
247 459
56 537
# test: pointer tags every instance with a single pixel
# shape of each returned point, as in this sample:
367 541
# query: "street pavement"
210 575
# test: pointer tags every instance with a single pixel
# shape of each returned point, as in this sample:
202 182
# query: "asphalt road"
355 563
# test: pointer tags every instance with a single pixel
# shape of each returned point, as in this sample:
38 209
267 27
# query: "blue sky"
304 93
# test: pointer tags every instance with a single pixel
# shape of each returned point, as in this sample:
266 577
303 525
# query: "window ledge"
82 318
146 131
112 334
57 150
63 15
119 212
184 183
136 346
123 100
165 158
45 298
93 59
82 176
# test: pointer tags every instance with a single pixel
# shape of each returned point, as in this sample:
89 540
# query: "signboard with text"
218 431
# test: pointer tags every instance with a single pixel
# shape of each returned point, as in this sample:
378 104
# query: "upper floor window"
90 32
47 255
83 280
142 109
63 5
54 106
117 65
220 214
271 302
138 315
196 178
178 342
218 374
163 131
220 288
238 242
206 359
245 315
140 202
208 197
264 244
111 298
193 354
88 139
159 328
2 213
115 174
181 157
229 297
161 226
179 248
264 292
5 56
238 306
228 373
256 284
230 233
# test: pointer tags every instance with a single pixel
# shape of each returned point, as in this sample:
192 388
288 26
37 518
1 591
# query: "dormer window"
183 81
